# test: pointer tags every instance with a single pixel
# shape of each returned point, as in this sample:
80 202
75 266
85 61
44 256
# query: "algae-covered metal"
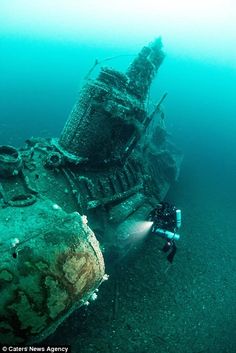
51 264
112 163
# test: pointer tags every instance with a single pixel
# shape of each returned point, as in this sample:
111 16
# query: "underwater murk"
117 180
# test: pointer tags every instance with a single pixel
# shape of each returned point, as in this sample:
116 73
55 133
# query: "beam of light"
138 231
143 229
202 27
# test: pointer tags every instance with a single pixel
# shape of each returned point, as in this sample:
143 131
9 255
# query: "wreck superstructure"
68 203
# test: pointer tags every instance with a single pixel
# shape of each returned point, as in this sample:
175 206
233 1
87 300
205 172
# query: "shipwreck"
67 204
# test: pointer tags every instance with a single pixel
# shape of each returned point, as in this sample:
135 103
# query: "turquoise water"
39 82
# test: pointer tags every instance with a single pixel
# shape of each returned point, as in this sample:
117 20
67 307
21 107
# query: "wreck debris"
56 267
107 169
10 161
114 105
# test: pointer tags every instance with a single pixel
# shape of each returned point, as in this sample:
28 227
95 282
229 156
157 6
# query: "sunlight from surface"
203 28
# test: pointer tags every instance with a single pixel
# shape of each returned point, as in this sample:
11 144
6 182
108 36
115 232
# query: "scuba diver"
166 220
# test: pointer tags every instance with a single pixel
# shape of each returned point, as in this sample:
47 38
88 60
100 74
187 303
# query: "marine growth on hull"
68 203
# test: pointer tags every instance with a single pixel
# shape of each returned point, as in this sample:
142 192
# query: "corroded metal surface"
50 264
113 162
111 110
